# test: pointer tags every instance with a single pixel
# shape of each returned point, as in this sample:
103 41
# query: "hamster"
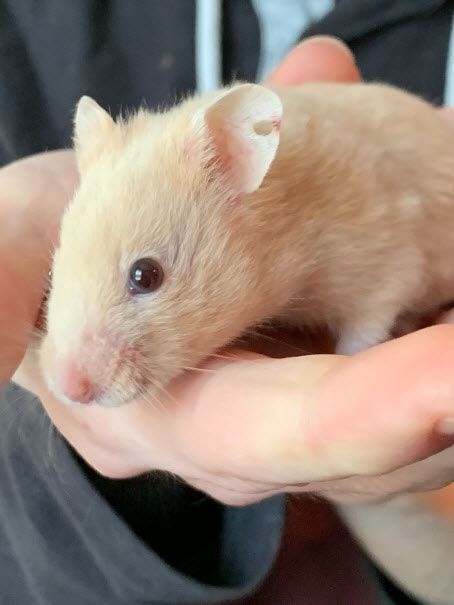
320 205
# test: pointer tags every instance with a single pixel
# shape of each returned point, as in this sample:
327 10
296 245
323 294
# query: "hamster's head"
151 274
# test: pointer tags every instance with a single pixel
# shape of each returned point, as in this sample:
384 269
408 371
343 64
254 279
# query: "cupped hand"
250 425
33 195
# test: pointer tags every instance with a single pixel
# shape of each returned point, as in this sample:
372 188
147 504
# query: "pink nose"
74 384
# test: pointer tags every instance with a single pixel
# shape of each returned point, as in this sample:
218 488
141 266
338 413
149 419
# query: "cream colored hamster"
326 204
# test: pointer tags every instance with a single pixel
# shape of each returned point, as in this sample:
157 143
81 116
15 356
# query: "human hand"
33 194
251 426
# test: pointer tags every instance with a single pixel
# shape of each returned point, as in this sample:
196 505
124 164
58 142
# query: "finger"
33 193
448 114
321 417
315 60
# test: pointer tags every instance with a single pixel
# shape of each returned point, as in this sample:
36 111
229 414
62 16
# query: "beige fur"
351 227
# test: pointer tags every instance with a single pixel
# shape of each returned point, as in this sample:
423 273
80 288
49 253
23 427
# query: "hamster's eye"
145 276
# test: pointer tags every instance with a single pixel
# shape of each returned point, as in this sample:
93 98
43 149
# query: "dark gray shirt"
63 543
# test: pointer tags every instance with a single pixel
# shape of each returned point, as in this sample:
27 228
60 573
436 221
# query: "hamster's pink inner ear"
244 126
92 127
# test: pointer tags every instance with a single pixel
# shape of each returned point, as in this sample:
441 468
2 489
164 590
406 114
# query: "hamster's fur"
325 204
322 204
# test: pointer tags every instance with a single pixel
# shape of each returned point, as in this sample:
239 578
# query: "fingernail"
329 40
446 426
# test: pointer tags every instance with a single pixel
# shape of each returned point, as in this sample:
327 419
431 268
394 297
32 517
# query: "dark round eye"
145 276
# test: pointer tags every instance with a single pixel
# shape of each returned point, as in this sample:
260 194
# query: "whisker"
207 370
226 357
278 341
168 394
233 357
151 397
31 332
155 403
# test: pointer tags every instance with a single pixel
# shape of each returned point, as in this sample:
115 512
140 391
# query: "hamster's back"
371 169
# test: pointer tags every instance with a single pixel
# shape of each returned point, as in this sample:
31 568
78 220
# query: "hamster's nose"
74 383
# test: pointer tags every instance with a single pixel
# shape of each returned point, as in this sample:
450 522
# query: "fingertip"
394 402
320 58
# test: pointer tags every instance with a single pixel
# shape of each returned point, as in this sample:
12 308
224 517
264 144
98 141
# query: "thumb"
314 60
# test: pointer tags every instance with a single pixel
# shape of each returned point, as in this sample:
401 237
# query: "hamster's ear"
92 127
244 126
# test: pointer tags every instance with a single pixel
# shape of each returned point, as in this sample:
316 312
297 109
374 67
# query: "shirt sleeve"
403 43
69 536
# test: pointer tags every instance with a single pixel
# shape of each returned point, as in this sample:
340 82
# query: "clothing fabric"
63 543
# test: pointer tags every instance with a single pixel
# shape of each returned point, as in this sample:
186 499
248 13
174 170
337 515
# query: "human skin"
252 425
